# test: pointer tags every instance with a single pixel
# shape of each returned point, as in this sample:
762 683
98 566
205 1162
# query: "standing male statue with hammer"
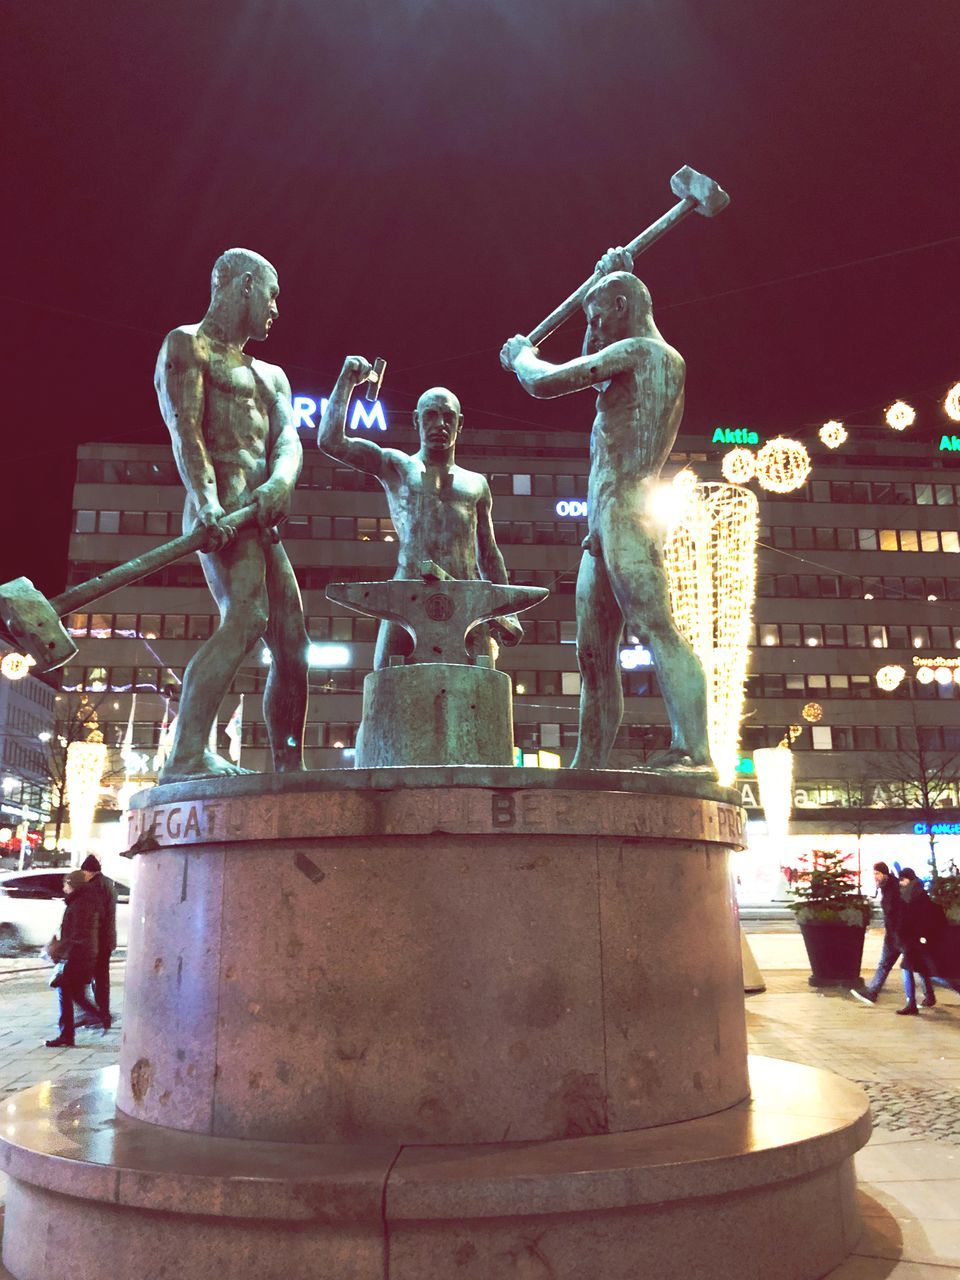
235 445
441 512
639 379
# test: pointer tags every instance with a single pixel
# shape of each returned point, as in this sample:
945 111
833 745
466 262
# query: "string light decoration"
900 415
85 764
833 434
890 678
711 563
774 769
925 675
738 466
789 738
951 403
782 465
812 712
16 665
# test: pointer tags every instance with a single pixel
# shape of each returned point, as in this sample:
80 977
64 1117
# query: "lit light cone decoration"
710 557
833 434
900 415
890 678
812 712
738 466
951 403
774 769
782 465
85 765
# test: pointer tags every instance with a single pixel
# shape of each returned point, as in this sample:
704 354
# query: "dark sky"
431 177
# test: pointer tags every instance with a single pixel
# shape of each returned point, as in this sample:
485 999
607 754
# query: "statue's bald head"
438 419
234 263
621 284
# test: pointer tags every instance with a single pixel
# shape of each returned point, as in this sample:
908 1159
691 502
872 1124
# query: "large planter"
835 952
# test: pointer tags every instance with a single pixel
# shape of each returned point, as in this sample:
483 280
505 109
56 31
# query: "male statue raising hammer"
234 441
440 511
639 378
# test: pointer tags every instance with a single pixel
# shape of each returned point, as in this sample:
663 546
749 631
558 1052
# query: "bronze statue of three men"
234 442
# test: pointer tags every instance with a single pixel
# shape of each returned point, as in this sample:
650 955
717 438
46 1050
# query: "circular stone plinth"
353 958
764 1188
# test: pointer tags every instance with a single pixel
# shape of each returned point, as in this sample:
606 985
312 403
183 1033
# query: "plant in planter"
945 890
833 916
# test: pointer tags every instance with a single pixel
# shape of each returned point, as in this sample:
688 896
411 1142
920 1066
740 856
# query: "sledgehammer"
698 194
32 622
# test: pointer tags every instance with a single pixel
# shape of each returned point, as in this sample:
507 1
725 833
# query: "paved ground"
910 1067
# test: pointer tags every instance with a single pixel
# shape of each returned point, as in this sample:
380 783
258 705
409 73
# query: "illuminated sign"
636 656
735 435
950 444
938 829
307 413
574 508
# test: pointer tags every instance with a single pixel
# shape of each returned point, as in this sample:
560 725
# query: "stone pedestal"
485 1021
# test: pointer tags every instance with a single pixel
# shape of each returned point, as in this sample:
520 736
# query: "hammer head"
33 625
709 197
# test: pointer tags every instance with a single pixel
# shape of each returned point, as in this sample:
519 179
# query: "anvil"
437 611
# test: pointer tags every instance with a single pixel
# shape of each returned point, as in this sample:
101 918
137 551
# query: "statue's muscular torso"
237 392
434 511
638 416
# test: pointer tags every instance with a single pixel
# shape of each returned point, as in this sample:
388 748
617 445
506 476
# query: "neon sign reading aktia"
364 416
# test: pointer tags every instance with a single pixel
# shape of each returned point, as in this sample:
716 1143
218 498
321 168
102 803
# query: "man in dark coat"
106 898
77 948
890 903
917 931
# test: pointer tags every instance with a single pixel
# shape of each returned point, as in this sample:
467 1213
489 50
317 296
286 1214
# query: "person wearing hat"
105 894
77 949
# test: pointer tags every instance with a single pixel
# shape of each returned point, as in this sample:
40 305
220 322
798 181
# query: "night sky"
430 178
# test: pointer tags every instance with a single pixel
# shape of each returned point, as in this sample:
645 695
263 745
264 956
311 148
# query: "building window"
867 539
570 683
769 633
822 737
85 522
521 485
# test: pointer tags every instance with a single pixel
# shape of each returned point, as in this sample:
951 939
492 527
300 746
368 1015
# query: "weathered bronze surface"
234 441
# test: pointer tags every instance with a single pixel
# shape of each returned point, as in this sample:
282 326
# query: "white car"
31 908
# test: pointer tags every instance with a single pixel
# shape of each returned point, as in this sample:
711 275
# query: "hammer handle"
637 246
157 558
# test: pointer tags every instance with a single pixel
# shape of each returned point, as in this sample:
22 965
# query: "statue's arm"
506 629
285 459
332 436
179 383
544 380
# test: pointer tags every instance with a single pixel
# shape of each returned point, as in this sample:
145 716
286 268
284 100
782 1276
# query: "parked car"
31 908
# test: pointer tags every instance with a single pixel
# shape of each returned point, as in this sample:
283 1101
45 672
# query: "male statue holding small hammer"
441 512
639 379
235 444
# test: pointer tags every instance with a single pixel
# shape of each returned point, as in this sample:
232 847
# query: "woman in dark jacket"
77 947
918 928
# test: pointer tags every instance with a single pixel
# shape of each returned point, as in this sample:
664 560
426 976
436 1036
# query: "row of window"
870 737
822 686
899 493
836 635
806 538
23 756
850 587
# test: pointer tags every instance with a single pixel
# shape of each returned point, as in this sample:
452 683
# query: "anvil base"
435 713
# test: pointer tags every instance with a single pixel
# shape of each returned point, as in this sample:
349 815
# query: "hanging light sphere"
782 465
943 675
738 466
890 678
925 675
15 666
812 712
900 415
833 434
951 403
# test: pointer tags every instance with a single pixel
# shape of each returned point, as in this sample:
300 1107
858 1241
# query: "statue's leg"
285 697
599 627
236 578
639 582
392 641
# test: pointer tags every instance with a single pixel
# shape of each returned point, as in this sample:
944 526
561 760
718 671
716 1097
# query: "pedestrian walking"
104 890
918 930
76 948
890 904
